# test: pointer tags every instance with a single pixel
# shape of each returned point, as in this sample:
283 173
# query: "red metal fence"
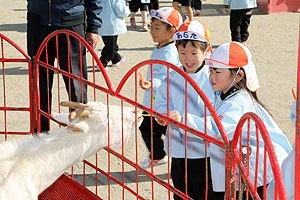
114 174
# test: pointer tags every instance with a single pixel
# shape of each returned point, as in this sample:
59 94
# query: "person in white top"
233 76
164 23
193 44
287 169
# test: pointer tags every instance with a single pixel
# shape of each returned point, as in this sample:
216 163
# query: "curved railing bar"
89 48
16 46
190 81
271 153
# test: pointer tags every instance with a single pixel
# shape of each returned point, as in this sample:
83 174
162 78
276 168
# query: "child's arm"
160 103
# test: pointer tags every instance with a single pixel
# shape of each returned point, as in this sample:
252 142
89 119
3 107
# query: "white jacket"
167 53
113 18
230 110
240 4
195 105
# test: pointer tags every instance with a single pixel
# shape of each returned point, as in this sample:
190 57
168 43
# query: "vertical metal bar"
185 142
297 133
4 92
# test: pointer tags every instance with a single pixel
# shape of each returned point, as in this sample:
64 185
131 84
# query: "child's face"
160 33
190 57
221 79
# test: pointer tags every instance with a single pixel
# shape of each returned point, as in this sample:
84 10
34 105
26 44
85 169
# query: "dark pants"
158 131
153 5
110 50
260 191
36 33
135 5
239 23
197 4
196 178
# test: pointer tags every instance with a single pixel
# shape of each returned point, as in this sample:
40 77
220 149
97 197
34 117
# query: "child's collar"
164 45
203 63
229 92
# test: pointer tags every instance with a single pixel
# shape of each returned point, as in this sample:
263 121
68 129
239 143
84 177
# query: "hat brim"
252 82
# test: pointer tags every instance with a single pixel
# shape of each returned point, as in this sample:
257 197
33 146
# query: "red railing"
230 147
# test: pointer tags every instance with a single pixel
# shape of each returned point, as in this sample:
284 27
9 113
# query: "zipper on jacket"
49 24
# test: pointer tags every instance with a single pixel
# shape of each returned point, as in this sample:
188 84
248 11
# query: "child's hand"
144 84
175 115
161 122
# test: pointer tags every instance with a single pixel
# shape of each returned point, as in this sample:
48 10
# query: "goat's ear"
74 105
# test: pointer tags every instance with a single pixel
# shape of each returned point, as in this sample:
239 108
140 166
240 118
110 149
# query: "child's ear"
239 76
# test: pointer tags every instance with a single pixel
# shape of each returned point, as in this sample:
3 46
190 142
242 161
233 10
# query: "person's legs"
154 4
116 56
189 11
143 9
178 175
134 6
177 6
107 52
197 6
245 24
74 61
36 33
158 131
235 25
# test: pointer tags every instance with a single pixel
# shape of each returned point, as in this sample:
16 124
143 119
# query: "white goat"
28 166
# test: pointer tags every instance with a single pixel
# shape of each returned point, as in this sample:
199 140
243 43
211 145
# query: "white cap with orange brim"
235 55
168 15
193 30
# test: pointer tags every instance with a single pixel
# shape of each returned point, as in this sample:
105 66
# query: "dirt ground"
273 42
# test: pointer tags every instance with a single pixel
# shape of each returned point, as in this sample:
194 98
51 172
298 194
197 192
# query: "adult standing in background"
46 16
240 14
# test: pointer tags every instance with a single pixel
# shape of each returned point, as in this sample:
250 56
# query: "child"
241 12
287 169
233 75
192 42
188 8
113 24
134 6
165 22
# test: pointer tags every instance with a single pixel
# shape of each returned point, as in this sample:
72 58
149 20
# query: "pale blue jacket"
287 169
167 53
230 111
113 18
240 4
195 105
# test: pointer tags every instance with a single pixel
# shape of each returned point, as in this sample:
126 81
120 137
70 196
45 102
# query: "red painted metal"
297 131
231 148
268 147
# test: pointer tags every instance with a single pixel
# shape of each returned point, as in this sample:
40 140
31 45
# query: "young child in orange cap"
164 23
193 45
233 76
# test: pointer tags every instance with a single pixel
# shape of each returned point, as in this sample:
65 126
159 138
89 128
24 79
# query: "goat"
29 165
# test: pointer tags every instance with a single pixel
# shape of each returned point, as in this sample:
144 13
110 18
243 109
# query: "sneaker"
132 23
197 12
145 27
123 59
98 68
147 162
183 17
